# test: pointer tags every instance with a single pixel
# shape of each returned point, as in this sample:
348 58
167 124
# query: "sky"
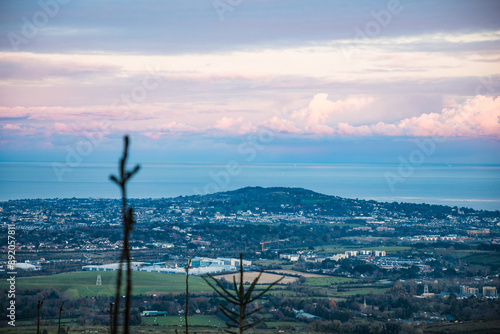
270 81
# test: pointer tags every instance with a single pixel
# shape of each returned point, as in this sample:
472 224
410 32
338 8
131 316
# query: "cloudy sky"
300 81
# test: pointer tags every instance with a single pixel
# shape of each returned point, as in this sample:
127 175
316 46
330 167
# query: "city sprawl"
343 259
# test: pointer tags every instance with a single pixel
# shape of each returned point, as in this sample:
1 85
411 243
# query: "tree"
241 298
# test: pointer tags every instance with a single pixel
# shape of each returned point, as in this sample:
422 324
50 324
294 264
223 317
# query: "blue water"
458 185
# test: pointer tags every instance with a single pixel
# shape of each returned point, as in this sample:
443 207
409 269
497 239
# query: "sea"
473 186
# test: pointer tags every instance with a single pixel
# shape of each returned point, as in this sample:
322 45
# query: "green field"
197 324
83 283
485 258
328 280
470 327
51 329
64 321
177 320
362 291
300 327
280 293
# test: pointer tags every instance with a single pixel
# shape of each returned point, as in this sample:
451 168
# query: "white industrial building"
199 266
136 266
27 266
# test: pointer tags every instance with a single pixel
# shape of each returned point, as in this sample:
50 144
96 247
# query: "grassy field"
84 283
144 329
267 262
294 272
287 326
485 258
194 327
53 329
362 291
265 278
64 321
472 327
176 320
328 280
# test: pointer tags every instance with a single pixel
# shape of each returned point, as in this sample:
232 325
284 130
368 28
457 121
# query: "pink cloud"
87 113
313 118
171 128
11 127
20 131
321 129
246 128
15 112
281 125
82 128
61 127
153 135
475 117
227 122
320 107
346 129
30 67
175 126
479 116
382 128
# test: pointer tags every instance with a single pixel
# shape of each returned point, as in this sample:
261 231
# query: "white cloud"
278 124
346 129
227 122
314 118
171 128
11 127
374 60
61 127
320 108
479 116
16 130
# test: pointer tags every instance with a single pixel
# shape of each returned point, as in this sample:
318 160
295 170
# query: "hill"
292 200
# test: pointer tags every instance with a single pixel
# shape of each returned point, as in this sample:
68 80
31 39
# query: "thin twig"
38 306
60 312
128 221
111 330
187 296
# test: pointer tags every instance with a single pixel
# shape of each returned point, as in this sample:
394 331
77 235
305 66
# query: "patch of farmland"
265 278
293 272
